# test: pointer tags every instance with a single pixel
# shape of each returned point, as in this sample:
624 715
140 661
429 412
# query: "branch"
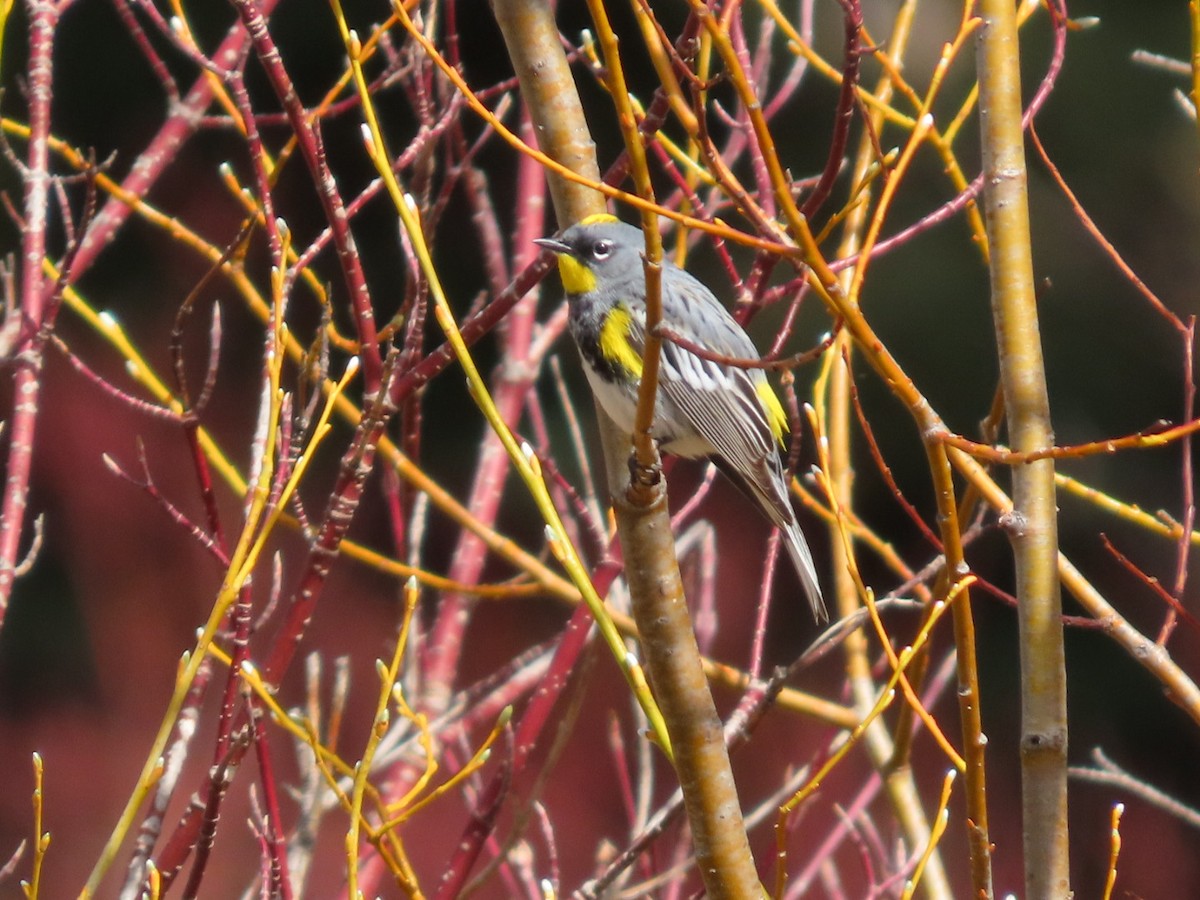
1033 525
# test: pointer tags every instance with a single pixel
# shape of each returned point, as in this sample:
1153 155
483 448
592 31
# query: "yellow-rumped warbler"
704 408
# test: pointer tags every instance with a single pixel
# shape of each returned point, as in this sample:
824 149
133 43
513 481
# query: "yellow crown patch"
598 219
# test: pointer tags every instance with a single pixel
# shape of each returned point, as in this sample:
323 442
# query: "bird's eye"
601 250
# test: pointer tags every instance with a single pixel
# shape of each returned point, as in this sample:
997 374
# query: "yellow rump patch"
614 342
776 417
598 218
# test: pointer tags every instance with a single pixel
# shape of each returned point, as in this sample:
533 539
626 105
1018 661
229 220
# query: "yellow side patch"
597 219
776 417
615 346
576 277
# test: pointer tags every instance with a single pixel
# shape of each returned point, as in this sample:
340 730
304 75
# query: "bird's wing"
724 404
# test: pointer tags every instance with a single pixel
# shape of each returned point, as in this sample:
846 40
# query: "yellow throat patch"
576 277
615 345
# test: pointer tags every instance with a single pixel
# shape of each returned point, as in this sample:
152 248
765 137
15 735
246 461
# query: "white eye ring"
601 250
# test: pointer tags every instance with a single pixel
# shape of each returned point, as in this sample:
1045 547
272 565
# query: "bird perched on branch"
704 408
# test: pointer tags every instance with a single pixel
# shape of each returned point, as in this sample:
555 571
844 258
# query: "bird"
704 408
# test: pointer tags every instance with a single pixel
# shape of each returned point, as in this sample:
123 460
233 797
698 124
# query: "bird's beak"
554 245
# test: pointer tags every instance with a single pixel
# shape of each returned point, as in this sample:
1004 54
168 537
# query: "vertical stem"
701 758
1194 16
312 147
28 358
897 774
643 522
531 38
969 711
515 379
1032 526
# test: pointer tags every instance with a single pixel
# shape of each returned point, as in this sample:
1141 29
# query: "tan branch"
643 521
1033 525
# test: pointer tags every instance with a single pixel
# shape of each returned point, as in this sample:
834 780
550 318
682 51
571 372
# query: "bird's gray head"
599 247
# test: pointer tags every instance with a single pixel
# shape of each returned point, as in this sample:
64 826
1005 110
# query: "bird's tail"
765 486
797 548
